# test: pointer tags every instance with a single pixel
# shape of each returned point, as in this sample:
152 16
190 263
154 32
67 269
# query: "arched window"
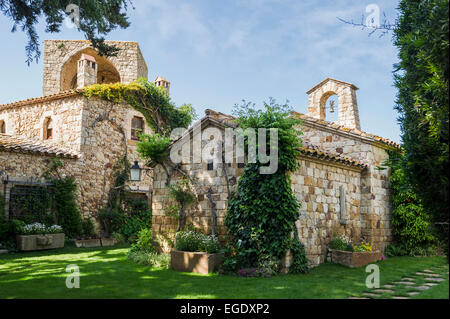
48 128
2 127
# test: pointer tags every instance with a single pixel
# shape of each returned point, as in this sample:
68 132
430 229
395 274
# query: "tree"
95 18
421 76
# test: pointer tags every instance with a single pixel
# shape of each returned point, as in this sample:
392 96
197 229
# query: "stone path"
413 284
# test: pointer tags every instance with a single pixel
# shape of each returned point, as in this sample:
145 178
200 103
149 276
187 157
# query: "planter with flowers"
196 252
344 252
38 236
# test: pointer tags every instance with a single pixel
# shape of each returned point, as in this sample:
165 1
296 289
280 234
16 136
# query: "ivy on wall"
262 213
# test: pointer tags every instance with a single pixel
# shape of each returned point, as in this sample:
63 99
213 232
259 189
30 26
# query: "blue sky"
216 53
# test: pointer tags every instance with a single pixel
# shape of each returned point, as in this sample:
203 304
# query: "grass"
107 273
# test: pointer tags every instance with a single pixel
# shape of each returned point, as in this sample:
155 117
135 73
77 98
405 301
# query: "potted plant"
196 252
37 236
344 252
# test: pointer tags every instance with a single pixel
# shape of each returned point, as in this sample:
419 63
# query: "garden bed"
198 262
40 242
354 258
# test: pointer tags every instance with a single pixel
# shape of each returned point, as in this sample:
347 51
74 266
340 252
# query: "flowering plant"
38 228
196 241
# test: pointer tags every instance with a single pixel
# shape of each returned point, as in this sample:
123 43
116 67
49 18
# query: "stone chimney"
348 114
87 71
161 81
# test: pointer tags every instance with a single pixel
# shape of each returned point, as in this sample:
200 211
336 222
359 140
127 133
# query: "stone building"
88 135
338 185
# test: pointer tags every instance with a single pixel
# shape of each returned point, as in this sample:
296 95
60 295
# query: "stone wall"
61 56
376 207
99 133
316 185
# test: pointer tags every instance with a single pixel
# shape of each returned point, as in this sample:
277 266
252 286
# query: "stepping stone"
422 273
428 270
408 279
404 283
368 294
358 298
389 286
399 297
413 293
433 275
383 291
422 287
431 284
435 279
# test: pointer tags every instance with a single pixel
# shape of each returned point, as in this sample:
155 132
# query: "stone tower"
161 81
348 114
61 64
87 71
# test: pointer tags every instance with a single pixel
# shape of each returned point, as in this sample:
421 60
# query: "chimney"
161 81
87 71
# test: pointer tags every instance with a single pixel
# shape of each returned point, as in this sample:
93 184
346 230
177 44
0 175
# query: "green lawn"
106 273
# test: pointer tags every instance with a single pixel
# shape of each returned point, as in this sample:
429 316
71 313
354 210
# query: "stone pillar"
87 71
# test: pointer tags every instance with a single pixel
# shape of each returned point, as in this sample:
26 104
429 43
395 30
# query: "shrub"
144 241
196 241
339 243
120 238
88 228
299 260
8 231
149 258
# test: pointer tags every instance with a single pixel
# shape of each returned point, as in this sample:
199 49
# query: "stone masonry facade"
337 184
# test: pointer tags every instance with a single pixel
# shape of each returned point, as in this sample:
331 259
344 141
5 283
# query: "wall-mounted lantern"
135 172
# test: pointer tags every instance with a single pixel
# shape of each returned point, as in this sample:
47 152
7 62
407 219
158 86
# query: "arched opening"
2 127
106 72
329 107
48 128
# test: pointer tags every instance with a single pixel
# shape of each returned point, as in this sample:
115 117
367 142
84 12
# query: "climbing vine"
262 213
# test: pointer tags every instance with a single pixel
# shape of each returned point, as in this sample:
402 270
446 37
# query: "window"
137 127
241 162
210 166
48 129
2 127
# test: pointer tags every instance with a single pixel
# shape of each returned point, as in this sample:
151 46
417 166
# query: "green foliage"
159 111
154 147
150 258
87 227
422 37
8 231
95 18
182 192
65 206
274 116
144 241
410 222
299 260
338 243
260 220
196 241
120 238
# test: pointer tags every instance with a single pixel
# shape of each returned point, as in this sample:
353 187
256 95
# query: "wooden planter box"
86 243
198 262
39 242
354 259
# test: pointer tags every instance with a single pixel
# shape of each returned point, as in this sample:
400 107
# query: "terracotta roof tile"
33 100
21 144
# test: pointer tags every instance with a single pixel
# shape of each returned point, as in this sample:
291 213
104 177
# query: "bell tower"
348 114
